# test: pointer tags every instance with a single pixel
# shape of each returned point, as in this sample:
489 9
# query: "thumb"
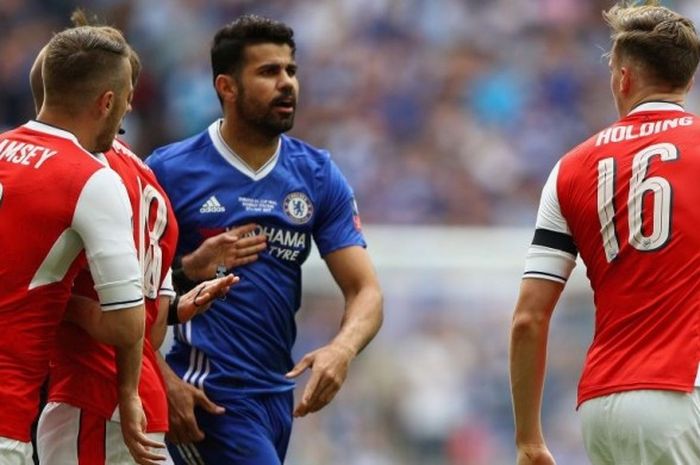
305 363
203 401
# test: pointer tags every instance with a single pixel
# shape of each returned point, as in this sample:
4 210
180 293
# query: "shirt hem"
593 393
15 436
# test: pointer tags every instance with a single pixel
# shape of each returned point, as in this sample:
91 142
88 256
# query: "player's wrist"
529 439
183 280
173 311
128 394
345 348
198 266
174 385
191 270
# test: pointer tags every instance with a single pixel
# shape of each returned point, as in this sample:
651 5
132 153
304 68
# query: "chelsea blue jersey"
243 343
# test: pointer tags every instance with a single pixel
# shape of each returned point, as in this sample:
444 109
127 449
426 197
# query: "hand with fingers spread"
183 398
133 425
235 247
199 299
329 367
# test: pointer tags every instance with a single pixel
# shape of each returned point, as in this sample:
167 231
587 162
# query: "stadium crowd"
440 112
444 112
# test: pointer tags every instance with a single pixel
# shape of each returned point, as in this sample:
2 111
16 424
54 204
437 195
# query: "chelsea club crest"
298 207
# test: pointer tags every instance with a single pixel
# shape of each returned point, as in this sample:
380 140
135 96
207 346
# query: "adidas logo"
212 206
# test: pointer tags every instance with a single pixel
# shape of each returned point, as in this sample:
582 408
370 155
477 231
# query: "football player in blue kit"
243 176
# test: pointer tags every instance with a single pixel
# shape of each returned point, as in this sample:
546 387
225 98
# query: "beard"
262 116
104 141
105 138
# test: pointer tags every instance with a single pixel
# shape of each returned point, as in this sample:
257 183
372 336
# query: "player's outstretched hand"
182 400
534 454
235 247
133 424
329 367
199 299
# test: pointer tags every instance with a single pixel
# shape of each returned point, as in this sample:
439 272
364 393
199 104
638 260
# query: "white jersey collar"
235 160
101 157
38 126
44 128
656 106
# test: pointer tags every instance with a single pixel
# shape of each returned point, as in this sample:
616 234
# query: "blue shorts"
254 430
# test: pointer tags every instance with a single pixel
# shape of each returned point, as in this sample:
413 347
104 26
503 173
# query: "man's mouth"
286 104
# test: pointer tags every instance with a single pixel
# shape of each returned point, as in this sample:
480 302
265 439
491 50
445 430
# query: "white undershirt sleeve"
552 254
167 289
103 219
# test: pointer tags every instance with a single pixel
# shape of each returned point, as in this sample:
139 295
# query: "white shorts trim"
13 452
645 427
58 438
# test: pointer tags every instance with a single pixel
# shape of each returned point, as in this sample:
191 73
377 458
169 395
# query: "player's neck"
671 97
252 146
84 133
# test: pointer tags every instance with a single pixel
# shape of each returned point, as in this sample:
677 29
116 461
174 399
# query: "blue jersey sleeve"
338 224
153 161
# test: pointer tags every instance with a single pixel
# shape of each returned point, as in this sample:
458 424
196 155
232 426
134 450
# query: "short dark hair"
662 41
227 50
79 17
79 62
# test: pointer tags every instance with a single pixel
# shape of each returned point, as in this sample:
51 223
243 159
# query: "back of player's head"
664 43
82 62
227 50
80 18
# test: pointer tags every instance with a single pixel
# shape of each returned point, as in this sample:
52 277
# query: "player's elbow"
126 326
529 321
526 322
378 299
536 303
369 297
375 305
128 336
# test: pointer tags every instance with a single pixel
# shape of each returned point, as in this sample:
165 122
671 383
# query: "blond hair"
79 17
662 41
80 63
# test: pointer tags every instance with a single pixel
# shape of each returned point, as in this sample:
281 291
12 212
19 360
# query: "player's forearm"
528 354
128 360
165 369
128 326
160 326
528 349
169 376
362 319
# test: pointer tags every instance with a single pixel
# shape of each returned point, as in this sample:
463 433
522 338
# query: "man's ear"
105 102
626 80
226 87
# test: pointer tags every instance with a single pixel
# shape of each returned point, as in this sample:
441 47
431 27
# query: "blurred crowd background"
441 113
438 111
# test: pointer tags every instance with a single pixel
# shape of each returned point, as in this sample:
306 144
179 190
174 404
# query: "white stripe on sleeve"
166 288
551 260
